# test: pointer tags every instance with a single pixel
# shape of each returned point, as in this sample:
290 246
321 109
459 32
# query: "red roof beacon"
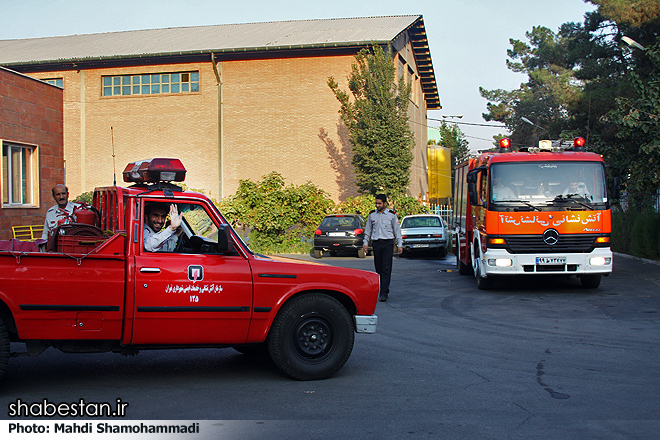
154 171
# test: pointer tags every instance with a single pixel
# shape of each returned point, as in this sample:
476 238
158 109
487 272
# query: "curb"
644 260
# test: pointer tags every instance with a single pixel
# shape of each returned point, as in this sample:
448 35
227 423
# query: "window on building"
59 82
151 84
19 176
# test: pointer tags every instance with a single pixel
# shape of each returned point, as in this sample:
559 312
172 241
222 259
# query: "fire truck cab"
535 211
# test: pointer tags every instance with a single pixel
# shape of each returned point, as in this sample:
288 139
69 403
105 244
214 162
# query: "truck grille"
532 244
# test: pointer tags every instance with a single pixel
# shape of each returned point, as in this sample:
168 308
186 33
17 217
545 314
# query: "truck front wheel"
4 348
312 337
590 281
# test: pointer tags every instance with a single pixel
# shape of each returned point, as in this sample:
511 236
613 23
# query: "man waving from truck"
155 239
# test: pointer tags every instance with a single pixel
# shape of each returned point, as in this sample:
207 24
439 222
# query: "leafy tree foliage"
364 204
583 80
376 115
638 122
453 138
280 217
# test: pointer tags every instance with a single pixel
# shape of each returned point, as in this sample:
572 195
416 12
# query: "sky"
468 39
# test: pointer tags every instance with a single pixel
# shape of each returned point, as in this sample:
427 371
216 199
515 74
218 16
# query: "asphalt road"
534 358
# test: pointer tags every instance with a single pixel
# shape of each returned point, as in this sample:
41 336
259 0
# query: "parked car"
340 232
424 232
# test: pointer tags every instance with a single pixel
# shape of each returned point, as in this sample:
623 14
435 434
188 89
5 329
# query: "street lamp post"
452 117
527 121
632 43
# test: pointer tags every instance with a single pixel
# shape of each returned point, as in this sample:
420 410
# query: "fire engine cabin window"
152 84
20 186
547 183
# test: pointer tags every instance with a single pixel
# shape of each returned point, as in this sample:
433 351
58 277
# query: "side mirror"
472 193
616 188
223 238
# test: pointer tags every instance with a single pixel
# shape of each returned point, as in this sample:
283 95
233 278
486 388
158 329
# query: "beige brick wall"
278 114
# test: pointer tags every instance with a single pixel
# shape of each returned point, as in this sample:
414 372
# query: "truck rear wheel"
4 348
312 337
463 269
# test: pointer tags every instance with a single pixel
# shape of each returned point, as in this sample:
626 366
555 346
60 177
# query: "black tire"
482 282
318 253
463 269
4 348
590 281
312 337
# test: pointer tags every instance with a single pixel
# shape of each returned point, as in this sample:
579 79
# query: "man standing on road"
383 228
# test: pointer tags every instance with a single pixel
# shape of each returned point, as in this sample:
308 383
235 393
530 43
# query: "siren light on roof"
155 170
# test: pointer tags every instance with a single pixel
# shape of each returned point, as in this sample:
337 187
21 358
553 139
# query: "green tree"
280 217
638 122
376 115
453 138
583 80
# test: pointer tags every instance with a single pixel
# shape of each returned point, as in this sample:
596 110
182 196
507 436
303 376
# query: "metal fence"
655 204
445 212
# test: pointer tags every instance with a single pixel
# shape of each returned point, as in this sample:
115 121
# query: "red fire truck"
97 289
542 210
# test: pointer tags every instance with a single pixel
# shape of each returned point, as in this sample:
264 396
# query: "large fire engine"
542 210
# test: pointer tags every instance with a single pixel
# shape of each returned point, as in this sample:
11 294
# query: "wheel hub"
313 337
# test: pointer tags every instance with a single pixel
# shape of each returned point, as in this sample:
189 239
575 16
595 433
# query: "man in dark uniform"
383 228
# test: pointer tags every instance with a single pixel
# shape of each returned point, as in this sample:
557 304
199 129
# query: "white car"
424 232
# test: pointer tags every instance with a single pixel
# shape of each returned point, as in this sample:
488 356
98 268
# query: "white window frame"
21 170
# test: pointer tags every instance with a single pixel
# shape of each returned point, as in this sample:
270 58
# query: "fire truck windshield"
548 183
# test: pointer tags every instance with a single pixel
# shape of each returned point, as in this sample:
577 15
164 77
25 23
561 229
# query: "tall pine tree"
376 115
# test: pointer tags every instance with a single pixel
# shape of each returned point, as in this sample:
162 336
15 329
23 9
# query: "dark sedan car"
340 233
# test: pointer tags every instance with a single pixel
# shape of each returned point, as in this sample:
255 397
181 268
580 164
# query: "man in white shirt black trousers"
383 228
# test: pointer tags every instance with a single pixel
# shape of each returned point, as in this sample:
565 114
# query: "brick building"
31 116
231 101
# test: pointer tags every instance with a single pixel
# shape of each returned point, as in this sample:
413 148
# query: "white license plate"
337 234
420 245
543 261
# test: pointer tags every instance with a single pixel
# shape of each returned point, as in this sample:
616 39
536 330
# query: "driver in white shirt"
155 239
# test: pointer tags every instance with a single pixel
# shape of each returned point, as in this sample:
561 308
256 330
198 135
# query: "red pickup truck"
99 290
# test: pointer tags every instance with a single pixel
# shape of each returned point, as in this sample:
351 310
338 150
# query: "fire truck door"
183 298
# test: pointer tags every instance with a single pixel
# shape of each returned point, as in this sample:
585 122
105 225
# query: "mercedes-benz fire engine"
542 210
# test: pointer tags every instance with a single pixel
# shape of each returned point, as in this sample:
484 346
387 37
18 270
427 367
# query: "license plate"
543 261
420 245
337 234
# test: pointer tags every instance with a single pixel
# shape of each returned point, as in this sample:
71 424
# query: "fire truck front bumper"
501 262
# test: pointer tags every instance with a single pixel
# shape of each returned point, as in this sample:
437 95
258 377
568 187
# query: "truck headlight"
600 261
500 262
